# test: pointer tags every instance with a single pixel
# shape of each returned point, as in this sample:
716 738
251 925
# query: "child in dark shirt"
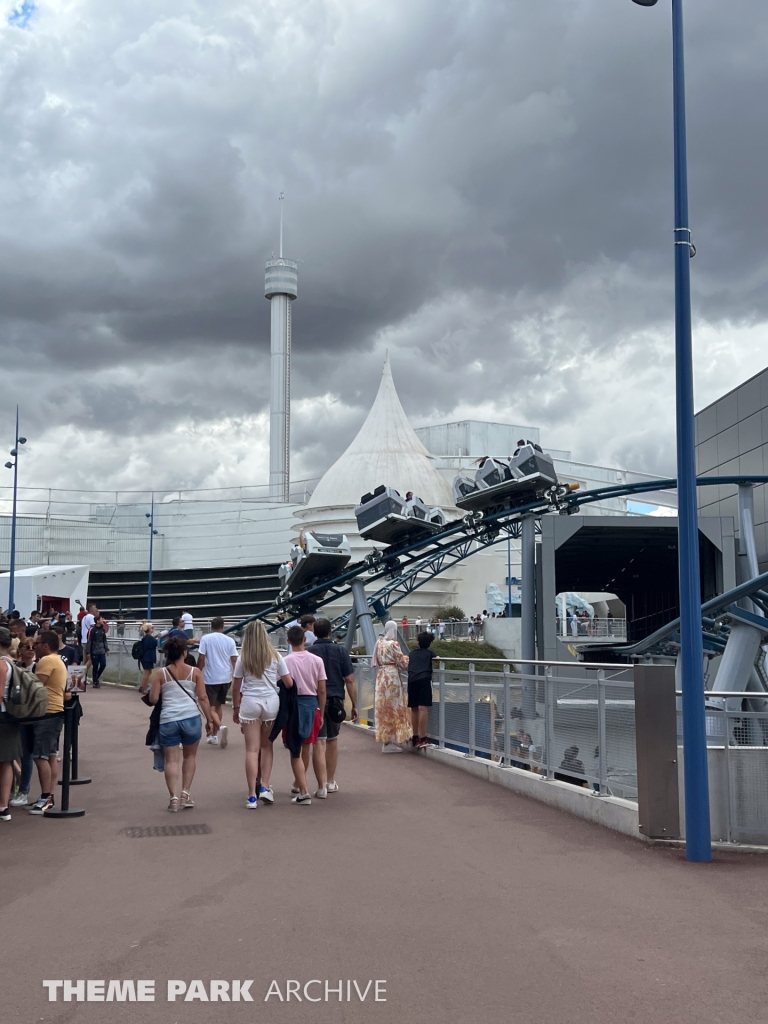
420 687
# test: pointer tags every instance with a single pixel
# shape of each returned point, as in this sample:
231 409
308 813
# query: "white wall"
504 634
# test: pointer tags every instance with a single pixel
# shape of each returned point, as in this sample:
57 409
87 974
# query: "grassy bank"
447 649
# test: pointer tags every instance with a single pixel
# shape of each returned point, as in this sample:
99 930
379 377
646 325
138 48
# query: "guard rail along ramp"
581 728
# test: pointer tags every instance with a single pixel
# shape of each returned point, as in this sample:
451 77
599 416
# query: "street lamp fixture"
14 452
150 516
698 845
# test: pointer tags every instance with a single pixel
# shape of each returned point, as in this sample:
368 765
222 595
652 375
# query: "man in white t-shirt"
216 660
187 624
88 621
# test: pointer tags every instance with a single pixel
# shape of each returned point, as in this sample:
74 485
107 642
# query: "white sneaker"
213 740
20 800
391 748
222 736
332 787
321 794
266 795
295 789
252 803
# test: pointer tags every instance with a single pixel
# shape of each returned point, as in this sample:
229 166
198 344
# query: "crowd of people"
299 696
46 646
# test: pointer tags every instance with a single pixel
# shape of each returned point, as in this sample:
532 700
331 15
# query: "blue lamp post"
15 467
697 826
152 534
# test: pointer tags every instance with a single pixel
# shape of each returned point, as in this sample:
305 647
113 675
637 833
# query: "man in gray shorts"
340 674
216 660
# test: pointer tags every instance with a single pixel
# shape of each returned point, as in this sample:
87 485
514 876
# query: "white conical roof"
385 451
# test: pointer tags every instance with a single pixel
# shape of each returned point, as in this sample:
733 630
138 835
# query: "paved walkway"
474 904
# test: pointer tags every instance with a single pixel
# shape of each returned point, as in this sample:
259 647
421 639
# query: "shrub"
451 612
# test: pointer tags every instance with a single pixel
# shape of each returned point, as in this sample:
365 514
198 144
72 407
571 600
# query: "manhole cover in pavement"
151 831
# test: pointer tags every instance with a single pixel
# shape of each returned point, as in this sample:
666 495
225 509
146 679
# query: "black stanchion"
77 779
65 811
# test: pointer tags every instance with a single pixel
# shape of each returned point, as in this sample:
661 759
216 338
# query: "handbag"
334 708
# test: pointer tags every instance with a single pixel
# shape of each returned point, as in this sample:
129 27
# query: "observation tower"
281 282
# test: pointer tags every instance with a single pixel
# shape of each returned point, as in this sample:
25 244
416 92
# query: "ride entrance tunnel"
635 559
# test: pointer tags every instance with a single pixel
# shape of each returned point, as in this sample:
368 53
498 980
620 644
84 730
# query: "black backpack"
137 650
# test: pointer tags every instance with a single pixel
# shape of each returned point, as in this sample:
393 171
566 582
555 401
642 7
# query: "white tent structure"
33 588
385 451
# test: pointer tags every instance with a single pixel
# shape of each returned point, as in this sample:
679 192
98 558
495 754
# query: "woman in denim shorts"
183 702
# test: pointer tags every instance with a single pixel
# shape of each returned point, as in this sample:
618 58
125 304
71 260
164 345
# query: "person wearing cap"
10 740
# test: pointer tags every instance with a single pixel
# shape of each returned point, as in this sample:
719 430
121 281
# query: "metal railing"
121 668
556 720
449 629
575 723
130 629
737 748
592 629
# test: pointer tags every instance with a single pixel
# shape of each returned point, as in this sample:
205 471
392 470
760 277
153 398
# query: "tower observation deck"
281 288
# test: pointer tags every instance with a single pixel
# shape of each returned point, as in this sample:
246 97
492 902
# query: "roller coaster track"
410 566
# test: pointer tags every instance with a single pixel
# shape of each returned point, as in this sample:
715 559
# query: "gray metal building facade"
732 438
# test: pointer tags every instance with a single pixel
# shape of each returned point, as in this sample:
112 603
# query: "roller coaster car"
322 557
500 484
385 516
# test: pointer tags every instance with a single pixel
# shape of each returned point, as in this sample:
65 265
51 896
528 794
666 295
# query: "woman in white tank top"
184 700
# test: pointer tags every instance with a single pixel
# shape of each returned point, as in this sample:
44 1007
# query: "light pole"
15 467
697 827
152 534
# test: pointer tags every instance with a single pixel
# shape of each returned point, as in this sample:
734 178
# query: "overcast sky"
482 187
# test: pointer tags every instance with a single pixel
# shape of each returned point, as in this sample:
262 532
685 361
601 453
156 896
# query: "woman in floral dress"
393 723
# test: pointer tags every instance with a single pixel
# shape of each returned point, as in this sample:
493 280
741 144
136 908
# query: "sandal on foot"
186 801
173 806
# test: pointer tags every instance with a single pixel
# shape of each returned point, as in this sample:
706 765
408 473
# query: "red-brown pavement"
471 903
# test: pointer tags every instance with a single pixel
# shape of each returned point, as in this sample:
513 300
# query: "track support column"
528 611
364 616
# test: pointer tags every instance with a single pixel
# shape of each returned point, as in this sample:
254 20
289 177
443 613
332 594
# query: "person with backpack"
145 652
184 700
10 738
26 659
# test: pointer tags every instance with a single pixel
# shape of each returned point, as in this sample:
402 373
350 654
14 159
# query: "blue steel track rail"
408 567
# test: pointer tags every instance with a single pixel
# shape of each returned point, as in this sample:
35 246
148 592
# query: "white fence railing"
592 629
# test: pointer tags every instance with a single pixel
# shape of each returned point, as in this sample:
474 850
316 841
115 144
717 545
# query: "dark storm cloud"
482 188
